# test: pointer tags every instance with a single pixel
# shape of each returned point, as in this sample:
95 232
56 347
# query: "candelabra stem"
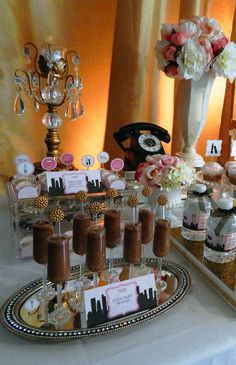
52 141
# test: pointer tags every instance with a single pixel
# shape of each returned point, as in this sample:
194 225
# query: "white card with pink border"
117 300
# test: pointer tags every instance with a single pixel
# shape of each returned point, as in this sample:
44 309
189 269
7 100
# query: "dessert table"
200 329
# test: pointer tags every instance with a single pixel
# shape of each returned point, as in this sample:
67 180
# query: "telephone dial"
138 140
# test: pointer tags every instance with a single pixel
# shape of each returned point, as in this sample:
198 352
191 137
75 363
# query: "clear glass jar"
197 209
220 240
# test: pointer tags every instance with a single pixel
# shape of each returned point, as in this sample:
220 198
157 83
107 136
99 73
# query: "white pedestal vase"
193 100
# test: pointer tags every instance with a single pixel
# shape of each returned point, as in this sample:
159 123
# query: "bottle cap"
225 204
199 188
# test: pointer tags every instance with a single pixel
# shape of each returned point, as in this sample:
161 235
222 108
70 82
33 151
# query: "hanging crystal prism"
36 106
19 107
74 110
76 59
70 112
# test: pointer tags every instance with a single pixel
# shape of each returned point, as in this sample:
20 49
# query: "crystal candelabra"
48 79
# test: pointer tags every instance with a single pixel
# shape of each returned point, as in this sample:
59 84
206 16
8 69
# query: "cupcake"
232 174
228 165
212 171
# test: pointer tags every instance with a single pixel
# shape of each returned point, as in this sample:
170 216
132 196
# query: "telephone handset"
138 140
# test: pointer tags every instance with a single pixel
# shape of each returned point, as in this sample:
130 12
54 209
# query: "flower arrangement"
168 172
192 47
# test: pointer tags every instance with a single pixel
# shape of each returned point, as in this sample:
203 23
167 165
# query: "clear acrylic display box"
23 214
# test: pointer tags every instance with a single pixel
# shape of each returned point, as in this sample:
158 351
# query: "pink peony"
168 161
168 53
151 176
154 159
166 31
206 44
178 38
220 44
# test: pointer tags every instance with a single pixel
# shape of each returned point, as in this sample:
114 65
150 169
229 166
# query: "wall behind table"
86 26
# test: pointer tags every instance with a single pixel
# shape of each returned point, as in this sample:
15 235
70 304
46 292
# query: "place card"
213 147
74 182
109 302
70 182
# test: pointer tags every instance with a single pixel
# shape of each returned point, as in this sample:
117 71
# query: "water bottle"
197 209
220 240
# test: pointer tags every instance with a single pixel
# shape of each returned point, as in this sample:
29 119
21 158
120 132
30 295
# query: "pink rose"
166 31
150 176
140 169
178 38
168 53
220 44
171 70
154 159
206 44
168 160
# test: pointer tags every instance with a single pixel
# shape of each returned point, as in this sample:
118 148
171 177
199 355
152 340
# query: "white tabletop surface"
201 329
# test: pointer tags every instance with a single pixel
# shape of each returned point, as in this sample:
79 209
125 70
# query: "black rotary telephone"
138 140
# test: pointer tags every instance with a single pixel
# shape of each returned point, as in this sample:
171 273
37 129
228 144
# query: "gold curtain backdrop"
115 40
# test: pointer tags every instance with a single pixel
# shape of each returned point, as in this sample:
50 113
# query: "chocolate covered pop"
58 252
146 217
42 229
95 257
81 223
82 196
132 235
161 241
112 220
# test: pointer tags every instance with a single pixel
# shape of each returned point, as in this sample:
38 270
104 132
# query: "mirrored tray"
15 318
222 277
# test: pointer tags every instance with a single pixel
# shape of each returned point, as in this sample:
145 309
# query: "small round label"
67 159
88 160
117 164
103 157
25 168
21 158
49 163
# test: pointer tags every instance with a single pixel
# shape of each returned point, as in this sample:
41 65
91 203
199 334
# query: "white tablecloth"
201 329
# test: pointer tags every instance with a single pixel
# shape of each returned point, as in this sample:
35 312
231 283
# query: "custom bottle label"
223 242
195 221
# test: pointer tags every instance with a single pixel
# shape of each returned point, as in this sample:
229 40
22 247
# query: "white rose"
188 28
192 61
166 30
208 27
225 63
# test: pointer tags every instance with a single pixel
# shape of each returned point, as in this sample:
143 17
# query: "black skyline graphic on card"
56 187
99 311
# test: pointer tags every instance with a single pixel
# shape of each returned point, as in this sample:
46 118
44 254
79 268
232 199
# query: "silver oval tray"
14 318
